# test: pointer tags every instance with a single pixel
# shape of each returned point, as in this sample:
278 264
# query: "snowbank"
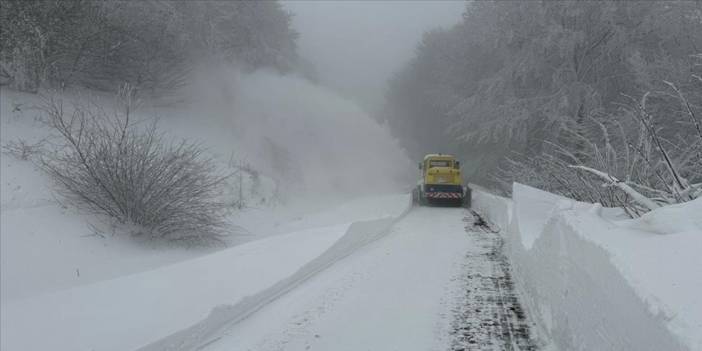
497 208
128 312
595 283
304 214
204 293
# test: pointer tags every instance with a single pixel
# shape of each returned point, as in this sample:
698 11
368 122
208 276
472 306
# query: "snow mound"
541 206
597 283
181 304
670 219
128 312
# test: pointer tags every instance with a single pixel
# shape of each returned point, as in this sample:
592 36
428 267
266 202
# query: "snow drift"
204 332
596 282
181 305
127 312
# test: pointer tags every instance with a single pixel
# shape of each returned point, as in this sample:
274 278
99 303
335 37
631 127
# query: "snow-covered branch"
638 197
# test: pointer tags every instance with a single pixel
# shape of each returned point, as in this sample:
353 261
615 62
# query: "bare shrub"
242 169
23 150
111 166
638 164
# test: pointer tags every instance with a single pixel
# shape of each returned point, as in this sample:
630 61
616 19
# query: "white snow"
539 208
305 213
389 296
597 283
81 281
671 219
319 268
47 247
208 292
131 311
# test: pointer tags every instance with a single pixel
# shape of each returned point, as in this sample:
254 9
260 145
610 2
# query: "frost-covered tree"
514 76
150 44
43 41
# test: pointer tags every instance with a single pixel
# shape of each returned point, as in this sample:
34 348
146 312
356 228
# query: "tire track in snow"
489 315
390 296
210 329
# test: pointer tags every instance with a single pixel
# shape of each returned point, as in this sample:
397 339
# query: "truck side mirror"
458 165
420 165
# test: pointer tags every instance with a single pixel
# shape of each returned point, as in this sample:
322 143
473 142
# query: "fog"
309 139
290 87
320 139
355 46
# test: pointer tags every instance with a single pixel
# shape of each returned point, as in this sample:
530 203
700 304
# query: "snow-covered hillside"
47 246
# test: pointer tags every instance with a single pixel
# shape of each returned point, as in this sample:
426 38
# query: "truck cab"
441 181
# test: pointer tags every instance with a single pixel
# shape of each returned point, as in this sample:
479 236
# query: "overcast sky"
356 45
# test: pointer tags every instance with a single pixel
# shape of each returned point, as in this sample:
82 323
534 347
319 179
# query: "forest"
564 96
597 101
152 45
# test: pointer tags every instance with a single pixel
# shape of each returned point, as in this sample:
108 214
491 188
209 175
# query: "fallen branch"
642 200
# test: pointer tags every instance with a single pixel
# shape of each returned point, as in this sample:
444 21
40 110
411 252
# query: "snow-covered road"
390 295
402 292
429 278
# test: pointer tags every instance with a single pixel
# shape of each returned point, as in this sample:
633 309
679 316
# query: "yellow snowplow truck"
441 182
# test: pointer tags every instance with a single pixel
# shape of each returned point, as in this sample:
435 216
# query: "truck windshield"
439 163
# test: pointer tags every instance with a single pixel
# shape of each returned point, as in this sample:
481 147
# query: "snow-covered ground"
595 281
395 280
62 269
389 296
315 267
131 311
47 247
398 282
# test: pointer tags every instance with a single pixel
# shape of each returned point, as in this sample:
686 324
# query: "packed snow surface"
392 295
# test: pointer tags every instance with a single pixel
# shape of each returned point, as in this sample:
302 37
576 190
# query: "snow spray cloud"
310 140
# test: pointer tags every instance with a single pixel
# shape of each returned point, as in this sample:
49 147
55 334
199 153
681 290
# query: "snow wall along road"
595 281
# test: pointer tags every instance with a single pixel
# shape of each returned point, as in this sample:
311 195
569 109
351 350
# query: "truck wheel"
467 197
422 200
